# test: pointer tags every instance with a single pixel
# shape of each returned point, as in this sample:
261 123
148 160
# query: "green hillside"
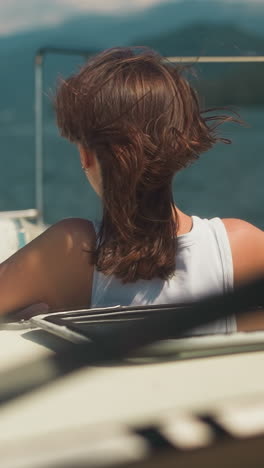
206 39
232 84
236 84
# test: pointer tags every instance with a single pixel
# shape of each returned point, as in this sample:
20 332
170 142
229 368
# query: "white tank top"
203 266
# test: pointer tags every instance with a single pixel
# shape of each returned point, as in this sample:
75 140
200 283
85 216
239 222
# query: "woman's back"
203 266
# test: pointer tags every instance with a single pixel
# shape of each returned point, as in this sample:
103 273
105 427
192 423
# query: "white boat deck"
125 394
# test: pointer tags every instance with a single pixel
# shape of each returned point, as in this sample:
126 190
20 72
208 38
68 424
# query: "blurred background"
227 181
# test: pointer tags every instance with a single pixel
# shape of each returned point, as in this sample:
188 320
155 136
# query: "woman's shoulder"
73 229
55 268
244 233
247 246
81 224
235 224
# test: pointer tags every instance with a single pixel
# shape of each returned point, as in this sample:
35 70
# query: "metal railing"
220 59
38 211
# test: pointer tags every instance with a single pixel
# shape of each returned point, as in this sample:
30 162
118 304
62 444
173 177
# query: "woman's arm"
247 245
55 268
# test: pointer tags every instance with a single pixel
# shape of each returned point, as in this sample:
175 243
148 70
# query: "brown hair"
142 118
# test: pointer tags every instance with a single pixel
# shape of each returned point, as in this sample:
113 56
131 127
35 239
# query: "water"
227 181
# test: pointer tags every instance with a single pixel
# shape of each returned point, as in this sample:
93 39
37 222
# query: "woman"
135 121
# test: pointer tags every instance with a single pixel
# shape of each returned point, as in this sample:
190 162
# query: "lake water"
227 181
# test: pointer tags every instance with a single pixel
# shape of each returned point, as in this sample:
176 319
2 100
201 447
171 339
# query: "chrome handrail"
220 59
39 63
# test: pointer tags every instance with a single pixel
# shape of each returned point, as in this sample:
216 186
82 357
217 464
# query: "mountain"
189 27
219 84
93 30
206 39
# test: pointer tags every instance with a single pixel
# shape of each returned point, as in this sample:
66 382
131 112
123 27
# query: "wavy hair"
142 118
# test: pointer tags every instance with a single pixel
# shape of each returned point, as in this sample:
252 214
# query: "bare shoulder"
69 233
247 245
56 268
239 225
75 223
243 234
74 226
